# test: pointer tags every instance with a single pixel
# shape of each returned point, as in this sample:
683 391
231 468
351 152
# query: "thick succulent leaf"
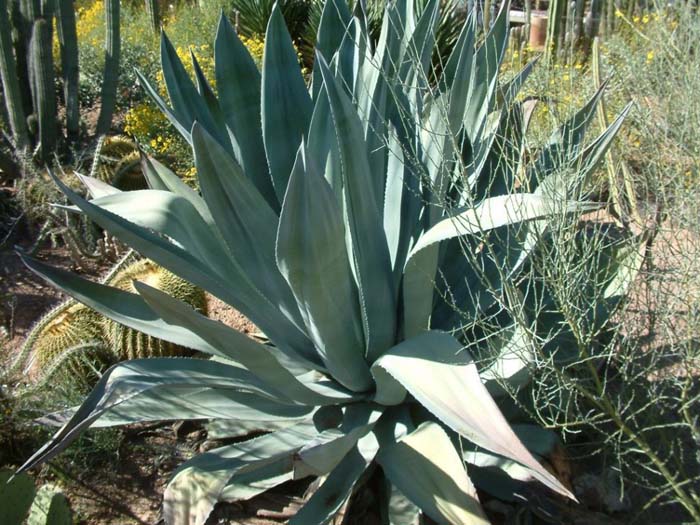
575 177
335 19
334 491
126 380
238 80
159 177
199 484
259 359
171 216
511 89
286 106
419 273
419 49
425 467
565 142
348 59
240 428
464 44
322 145
123 307
188 104
312 256
402 204
207 93
458 73
181 125
256 479
498 174
514 360
369 248
324 452
194 403
457 397
399 509
244 219
97 188
169 255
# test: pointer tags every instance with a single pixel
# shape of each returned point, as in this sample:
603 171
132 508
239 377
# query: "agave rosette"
334 216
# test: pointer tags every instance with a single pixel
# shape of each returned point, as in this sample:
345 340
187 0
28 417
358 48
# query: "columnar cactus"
43 93
153 11
68 40
10 82
111 76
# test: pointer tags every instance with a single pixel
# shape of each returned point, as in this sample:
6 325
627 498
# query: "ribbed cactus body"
153 10
43 92
130 344
68 345
10 81
118 162
111 71
68 41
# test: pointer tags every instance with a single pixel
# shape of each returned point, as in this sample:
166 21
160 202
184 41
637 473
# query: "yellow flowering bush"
151 129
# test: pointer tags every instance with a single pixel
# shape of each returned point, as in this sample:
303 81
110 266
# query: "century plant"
367 224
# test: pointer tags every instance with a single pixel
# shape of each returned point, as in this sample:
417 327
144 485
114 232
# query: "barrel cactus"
118 162
367 224
127 343
67 345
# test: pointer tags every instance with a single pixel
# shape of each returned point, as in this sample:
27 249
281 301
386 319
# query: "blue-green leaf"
443 378
370 253
238 80
425 467
312 256
286 105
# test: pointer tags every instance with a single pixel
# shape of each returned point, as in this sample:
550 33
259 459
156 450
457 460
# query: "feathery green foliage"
378 228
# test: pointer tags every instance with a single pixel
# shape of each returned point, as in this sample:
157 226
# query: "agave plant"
336 216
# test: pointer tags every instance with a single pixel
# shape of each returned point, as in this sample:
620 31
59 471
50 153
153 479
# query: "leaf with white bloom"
334 491
199 484
312 257
257 358
97 188
129 379
435 369
192 403
425 467
325 451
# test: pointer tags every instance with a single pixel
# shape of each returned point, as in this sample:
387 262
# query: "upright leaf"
286 106
238 80
362 208
311 255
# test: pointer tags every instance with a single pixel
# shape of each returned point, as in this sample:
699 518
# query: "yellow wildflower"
650 56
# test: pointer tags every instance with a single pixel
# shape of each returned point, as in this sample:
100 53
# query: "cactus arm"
68 40
43 84
10 82
111 75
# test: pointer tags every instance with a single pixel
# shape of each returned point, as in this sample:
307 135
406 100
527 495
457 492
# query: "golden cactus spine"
127 343
67 345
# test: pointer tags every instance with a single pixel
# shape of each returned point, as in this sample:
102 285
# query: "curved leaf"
312 256
435 369
286 106
238 80
425 467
